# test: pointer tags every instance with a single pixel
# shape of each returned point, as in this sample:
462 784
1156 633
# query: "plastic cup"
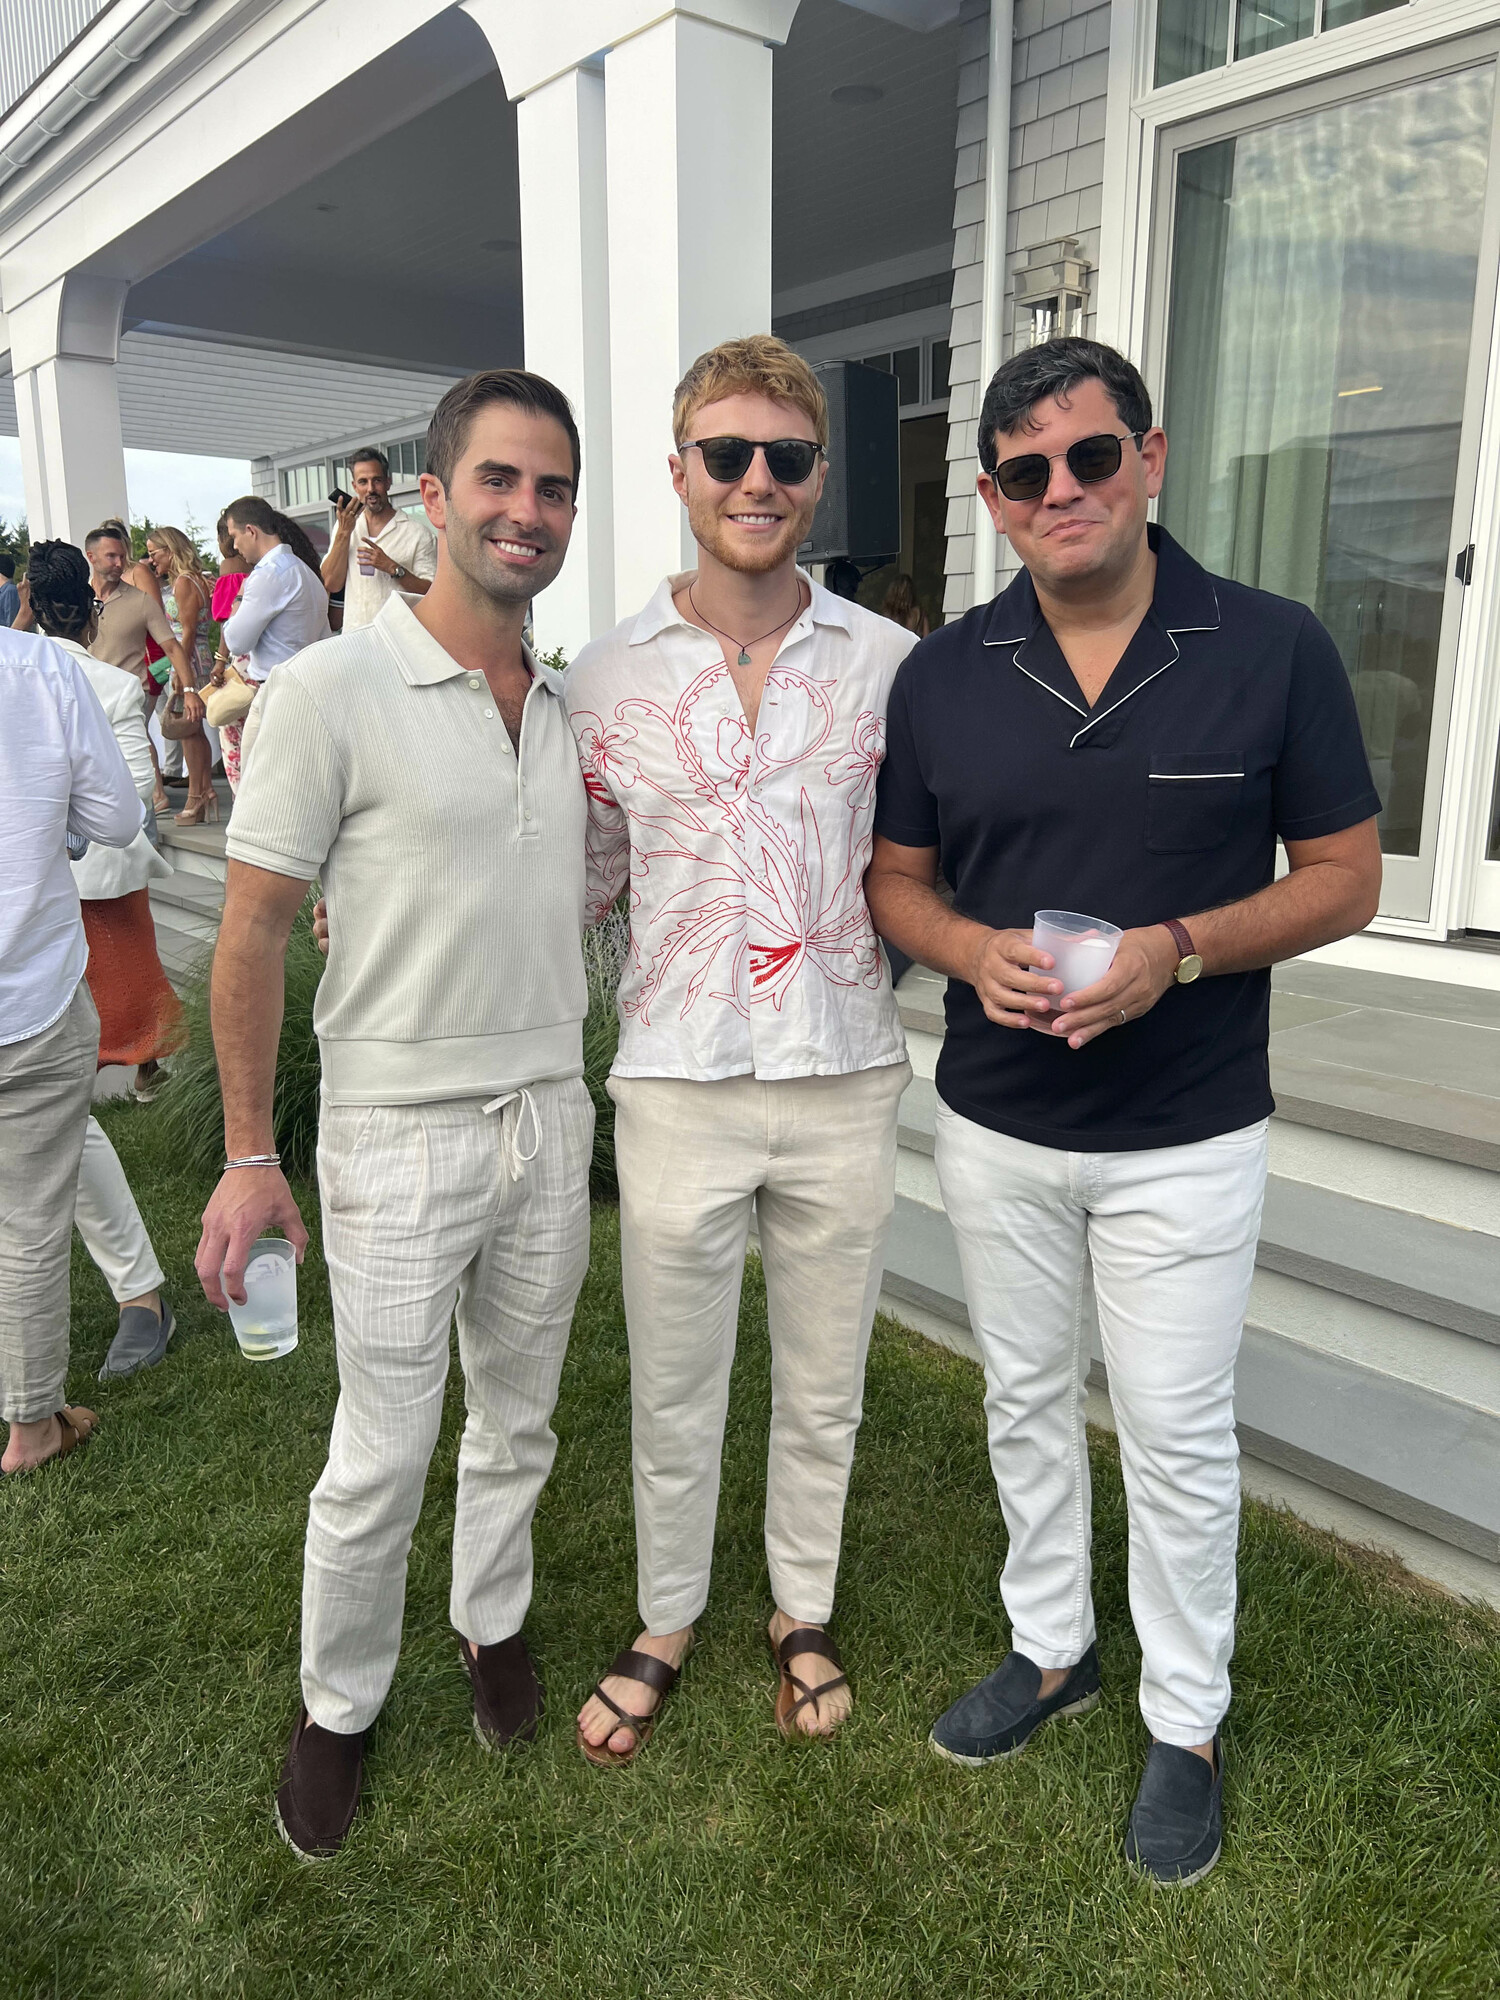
366 565
1082 948
266 1324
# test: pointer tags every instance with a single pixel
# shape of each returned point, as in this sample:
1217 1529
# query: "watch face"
1189 969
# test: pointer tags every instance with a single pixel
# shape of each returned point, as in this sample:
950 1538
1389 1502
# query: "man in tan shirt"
127 615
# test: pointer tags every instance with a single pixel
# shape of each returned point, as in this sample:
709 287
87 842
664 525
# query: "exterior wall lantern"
1052 293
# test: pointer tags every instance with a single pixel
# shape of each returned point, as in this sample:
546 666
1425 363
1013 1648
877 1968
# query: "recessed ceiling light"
856 93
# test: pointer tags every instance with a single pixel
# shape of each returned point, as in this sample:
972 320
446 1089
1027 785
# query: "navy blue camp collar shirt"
1229 720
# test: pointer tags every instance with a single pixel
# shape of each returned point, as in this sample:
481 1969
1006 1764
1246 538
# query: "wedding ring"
1123 1017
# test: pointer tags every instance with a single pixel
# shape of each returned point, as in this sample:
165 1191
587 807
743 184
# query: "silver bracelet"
255 1160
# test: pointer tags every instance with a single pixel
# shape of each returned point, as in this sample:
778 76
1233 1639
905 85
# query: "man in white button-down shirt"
61 774
730 737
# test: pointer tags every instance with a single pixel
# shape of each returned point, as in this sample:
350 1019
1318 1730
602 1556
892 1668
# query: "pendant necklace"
744 645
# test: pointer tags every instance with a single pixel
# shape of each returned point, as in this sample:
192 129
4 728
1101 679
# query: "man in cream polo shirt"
424 768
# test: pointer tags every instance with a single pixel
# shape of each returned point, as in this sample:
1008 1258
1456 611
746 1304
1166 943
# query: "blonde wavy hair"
759 365
186 560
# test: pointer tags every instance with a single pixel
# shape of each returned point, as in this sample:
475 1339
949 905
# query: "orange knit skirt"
140 1017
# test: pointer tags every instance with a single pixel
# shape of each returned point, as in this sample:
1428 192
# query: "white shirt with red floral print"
751 947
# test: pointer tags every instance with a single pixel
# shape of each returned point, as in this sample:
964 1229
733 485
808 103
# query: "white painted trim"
992 293
847 343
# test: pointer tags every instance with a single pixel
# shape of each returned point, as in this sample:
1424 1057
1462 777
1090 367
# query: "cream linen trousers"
1170 1233
428 1206
814 1159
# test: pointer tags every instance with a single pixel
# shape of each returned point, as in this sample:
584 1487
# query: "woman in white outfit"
106 1215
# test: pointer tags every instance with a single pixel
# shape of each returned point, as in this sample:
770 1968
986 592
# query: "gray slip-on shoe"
1176 1831
140 1341
1001 1715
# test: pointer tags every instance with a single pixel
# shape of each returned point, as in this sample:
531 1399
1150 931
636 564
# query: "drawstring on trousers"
516 1162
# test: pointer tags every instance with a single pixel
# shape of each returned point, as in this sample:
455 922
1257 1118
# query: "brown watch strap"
1181 938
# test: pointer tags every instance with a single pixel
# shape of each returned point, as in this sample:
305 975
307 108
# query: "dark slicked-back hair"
370 454
453 419
111 531
1052 369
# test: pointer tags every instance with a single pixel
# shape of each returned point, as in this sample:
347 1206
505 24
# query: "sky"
166 485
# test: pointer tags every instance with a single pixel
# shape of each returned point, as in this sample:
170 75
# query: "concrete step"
1417 1235
202 895
1411 1063
1385 1409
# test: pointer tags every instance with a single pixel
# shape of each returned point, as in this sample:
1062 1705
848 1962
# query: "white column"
688 123
565 300
65 342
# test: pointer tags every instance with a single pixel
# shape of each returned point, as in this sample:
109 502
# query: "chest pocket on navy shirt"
1192 799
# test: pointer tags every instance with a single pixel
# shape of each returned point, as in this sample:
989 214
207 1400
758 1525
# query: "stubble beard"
466 550
711 533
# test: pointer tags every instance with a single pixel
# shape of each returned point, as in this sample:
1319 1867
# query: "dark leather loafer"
319 1793
507 1693
1177 1823
1000 1716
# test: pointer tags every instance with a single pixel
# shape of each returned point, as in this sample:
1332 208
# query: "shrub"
191 1111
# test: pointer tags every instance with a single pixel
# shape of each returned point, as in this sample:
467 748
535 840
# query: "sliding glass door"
1322 378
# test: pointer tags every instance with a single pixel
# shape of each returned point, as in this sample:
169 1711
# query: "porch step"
1407 1063
1381 1407
1385 1409
1417 1235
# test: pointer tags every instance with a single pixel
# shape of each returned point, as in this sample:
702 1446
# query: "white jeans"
815 1159
426 1206
110 1223
1171 1237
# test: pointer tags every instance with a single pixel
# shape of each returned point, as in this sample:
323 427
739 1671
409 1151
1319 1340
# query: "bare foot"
600 1724
31 1445
823 1716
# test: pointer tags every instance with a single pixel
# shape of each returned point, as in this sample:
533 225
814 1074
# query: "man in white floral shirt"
730 736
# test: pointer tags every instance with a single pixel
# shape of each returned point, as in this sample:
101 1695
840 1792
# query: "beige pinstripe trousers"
428 1206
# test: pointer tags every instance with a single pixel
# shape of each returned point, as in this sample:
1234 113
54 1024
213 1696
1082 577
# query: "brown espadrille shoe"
507 1692
319 1793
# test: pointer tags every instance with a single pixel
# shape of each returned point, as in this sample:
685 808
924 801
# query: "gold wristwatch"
1189 964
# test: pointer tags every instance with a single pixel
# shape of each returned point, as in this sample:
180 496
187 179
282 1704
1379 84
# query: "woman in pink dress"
233 569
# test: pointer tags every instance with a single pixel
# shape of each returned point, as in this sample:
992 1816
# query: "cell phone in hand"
339 498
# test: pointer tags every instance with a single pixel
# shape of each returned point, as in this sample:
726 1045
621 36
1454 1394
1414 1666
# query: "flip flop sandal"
78 1426
793 1693
631 1666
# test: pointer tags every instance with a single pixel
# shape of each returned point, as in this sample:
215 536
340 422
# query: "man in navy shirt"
1122 735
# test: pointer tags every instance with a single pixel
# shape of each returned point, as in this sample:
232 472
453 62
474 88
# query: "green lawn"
149 1679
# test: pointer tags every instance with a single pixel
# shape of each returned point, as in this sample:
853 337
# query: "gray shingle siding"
1059 76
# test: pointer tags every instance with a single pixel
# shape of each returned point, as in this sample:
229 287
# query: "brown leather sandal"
77 1426
792 1693
630 1666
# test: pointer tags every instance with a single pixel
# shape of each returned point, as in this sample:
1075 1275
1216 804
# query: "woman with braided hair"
139 1015
283 605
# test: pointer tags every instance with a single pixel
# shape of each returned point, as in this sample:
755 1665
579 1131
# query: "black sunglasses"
1089 460
789 461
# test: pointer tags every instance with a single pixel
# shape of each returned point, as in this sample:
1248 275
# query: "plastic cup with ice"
1082 949
266 1324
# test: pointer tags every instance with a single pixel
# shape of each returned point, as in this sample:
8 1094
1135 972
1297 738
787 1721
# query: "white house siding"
33 34
1058 82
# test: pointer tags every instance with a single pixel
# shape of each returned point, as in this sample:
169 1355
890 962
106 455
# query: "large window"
1322 293
1195 35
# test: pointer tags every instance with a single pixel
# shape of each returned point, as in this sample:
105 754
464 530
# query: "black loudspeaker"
859 514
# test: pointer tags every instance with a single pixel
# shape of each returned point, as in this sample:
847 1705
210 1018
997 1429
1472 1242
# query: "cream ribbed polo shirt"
453 866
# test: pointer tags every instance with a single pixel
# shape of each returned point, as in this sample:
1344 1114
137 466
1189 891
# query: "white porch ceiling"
225 401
